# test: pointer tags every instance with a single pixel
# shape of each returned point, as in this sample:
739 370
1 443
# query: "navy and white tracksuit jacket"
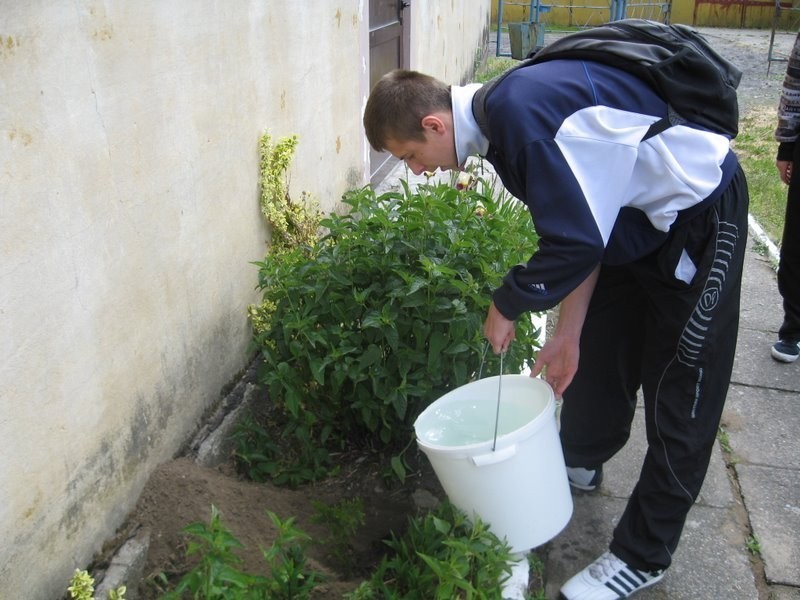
666 217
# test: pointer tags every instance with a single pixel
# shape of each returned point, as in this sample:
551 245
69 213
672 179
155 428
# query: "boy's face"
438 150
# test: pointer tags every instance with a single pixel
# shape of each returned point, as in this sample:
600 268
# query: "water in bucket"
472 422
520 488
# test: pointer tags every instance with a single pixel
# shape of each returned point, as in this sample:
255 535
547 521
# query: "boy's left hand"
558 358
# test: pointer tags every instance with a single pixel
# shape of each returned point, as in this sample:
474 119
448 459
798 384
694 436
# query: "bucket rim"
504 440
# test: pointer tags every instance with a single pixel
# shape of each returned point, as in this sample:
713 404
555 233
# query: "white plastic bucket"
520 488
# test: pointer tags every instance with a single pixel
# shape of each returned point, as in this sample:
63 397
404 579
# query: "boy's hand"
558 358
498 330
784 170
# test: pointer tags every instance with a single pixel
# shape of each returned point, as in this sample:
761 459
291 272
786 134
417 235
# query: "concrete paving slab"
711 561
761 304
755 367
763 426
771 498
585 538
784 593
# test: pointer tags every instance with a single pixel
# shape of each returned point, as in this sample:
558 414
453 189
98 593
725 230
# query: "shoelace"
606 566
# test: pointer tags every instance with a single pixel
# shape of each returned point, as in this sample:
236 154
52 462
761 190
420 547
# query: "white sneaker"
516 586
608 578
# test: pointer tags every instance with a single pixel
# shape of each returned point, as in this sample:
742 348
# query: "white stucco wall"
452 31
128 222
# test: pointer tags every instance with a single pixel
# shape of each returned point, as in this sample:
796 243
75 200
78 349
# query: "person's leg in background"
787 348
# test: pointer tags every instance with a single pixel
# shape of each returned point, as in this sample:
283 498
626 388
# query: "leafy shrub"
217 575
291 221
441 556
271 452
360 332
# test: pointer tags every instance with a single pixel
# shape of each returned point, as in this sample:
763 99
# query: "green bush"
441 556
217 575
362 331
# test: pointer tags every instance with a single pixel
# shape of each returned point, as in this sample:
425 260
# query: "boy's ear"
433 123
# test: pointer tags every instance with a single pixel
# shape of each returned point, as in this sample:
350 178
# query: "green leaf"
400 404
392 338
458 348
371 319
398 468
318 366
416 283
437 343
441 526
371 356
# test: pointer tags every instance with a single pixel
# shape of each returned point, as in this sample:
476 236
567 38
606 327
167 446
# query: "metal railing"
573 15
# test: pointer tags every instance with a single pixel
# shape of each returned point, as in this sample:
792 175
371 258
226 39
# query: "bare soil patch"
181 492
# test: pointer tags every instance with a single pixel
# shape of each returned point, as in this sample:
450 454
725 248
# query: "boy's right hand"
498 330
784 170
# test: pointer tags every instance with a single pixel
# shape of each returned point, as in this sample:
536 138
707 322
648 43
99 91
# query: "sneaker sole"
653 581
583 488
781 357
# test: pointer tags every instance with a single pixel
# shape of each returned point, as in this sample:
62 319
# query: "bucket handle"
483 360
499 387
495 456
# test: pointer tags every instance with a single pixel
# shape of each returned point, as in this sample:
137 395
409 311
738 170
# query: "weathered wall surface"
128 221
449 37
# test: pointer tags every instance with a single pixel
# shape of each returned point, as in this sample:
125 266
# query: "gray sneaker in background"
784 351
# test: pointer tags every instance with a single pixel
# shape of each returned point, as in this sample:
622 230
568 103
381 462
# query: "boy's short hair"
397 104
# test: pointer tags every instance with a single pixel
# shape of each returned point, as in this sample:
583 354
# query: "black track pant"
789 263
646 328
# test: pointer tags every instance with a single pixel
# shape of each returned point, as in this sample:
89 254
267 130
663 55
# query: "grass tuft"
756 148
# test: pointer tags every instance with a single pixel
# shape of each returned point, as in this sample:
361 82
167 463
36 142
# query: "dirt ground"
181 492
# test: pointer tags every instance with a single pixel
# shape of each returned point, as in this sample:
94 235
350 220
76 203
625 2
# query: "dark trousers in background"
789 261
648 329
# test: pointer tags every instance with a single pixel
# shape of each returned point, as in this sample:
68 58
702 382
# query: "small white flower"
465 181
